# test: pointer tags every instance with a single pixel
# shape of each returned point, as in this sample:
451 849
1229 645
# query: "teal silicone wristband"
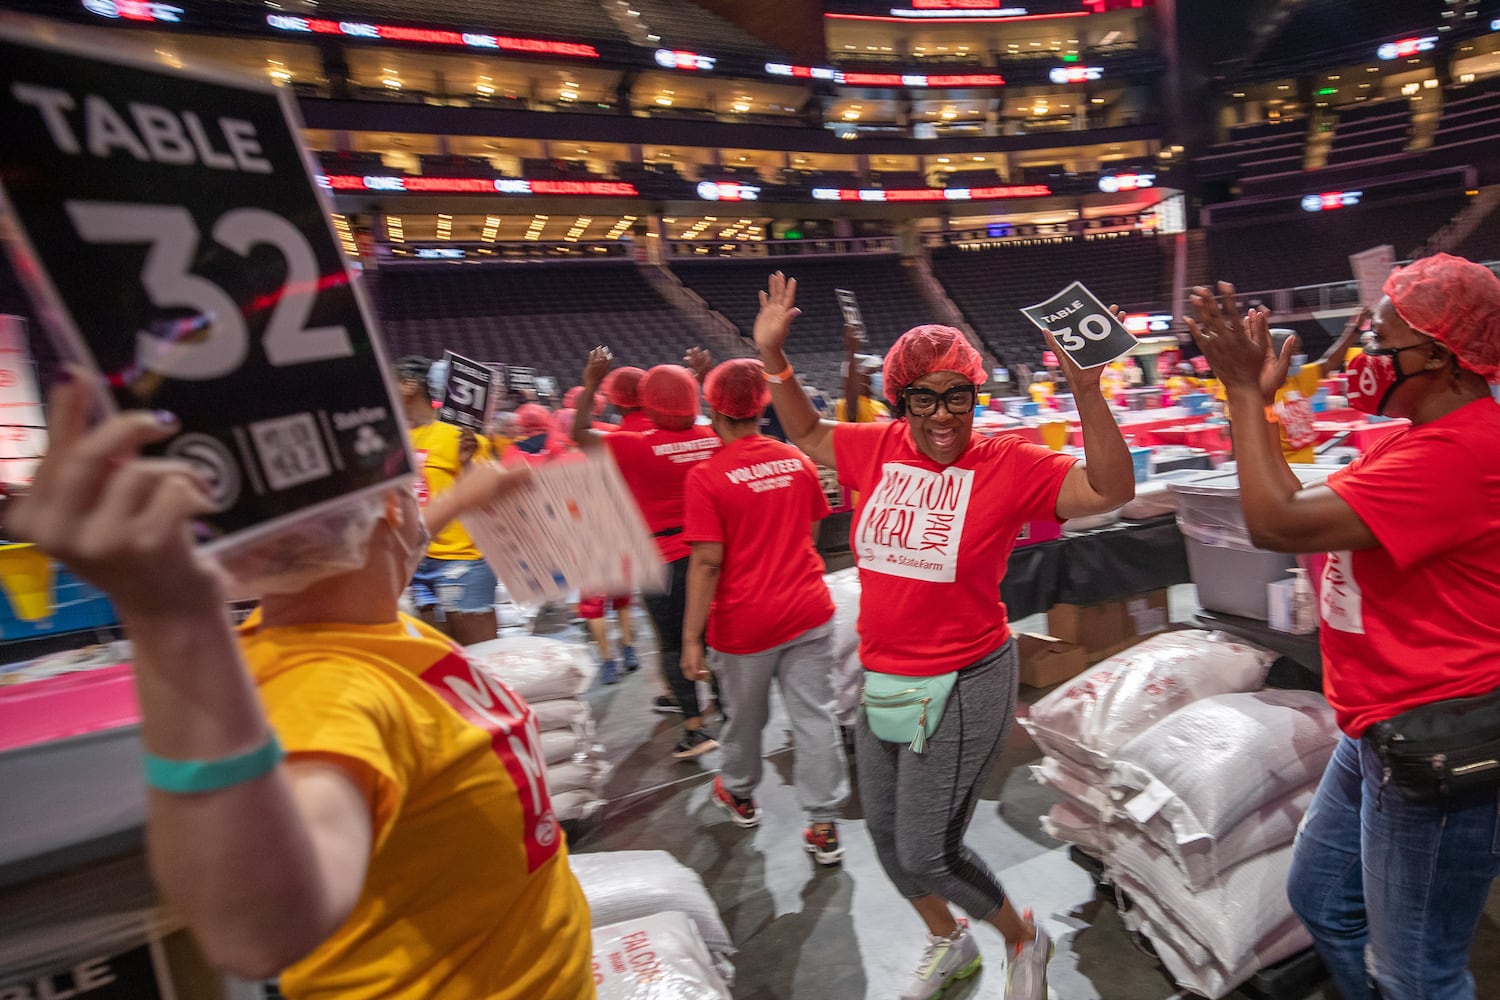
187 777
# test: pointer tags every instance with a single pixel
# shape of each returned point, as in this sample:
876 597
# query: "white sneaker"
945 960
1026 970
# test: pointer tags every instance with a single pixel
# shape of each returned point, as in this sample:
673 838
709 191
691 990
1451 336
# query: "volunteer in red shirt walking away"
938 515
622 387
592 608
749 510
1394 861
655 464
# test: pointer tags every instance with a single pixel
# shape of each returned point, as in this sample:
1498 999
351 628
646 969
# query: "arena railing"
785 248
460 252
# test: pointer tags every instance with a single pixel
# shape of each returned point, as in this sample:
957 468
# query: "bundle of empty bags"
552 675
657 933
1188 781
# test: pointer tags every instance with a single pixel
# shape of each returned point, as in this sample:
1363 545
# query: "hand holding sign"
172 236
1085 331
1079 379
469 395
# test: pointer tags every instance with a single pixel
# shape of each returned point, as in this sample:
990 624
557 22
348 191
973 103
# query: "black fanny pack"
1446 748
666 532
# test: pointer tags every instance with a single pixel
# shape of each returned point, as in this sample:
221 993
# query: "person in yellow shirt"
338 797
860 373
453 587
1299 381
504 432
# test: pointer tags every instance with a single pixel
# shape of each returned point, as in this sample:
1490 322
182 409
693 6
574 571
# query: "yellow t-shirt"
436 445
499 443
1295 414
468 894
867 412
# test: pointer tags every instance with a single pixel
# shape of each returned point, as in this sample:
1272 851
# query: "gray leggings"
919 805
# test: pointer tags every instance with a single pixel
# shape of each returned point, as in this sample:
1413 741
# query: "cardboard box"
1047 660
1105 629
1146 614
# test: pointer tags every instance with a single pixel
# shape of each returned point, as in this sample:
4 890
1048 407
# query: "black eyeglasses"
924 402
1367 344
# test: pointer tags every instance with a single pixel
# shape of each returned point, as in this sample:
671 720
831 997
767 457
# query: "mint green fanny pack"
899 709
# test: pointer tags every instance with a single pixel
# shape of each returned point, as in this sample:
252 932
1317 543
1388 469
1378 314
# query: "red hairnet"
1455 301
738 388
560 435
622 387
671 391
929 348
534 419
570 400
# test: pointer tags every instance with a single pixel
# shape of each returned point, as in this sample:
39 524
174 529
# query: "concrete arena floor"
843 933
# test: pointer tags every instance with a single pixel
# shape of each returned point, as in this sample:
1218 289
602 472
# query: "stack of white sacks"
1188 780
657 933
552 675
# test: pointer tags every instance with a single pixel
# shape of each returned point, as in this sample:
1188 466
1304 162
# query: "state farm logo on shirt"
488 703
764 476
1342 603
1297 420
913 521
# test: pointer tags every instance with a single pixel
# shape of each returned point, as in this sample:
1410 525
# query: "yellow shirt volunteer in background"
468 894
867 412
436 445
1295 412
1305 384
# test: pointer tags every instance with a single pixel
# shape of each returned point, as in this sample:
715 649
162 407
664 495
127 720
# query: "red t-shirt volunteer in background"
655 466
770 587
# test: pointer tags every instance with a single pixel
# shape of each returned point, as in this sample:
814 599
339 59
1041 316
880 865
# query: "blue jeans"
1392 890
455 586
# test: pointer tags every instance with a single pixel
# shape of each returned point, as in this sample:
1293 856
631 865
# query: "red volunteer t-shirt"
1417 619
931 541
759 497
635 420
655 466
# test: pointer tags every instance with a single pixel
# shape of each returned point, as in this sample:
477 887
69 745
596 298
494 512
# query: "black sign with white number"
1084 328
468 395
849 306
171 233
520 377
127 976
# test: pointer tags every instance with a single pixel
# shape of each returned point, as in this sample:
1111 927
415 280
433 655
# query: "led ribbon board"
430 36
932 194
477 185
